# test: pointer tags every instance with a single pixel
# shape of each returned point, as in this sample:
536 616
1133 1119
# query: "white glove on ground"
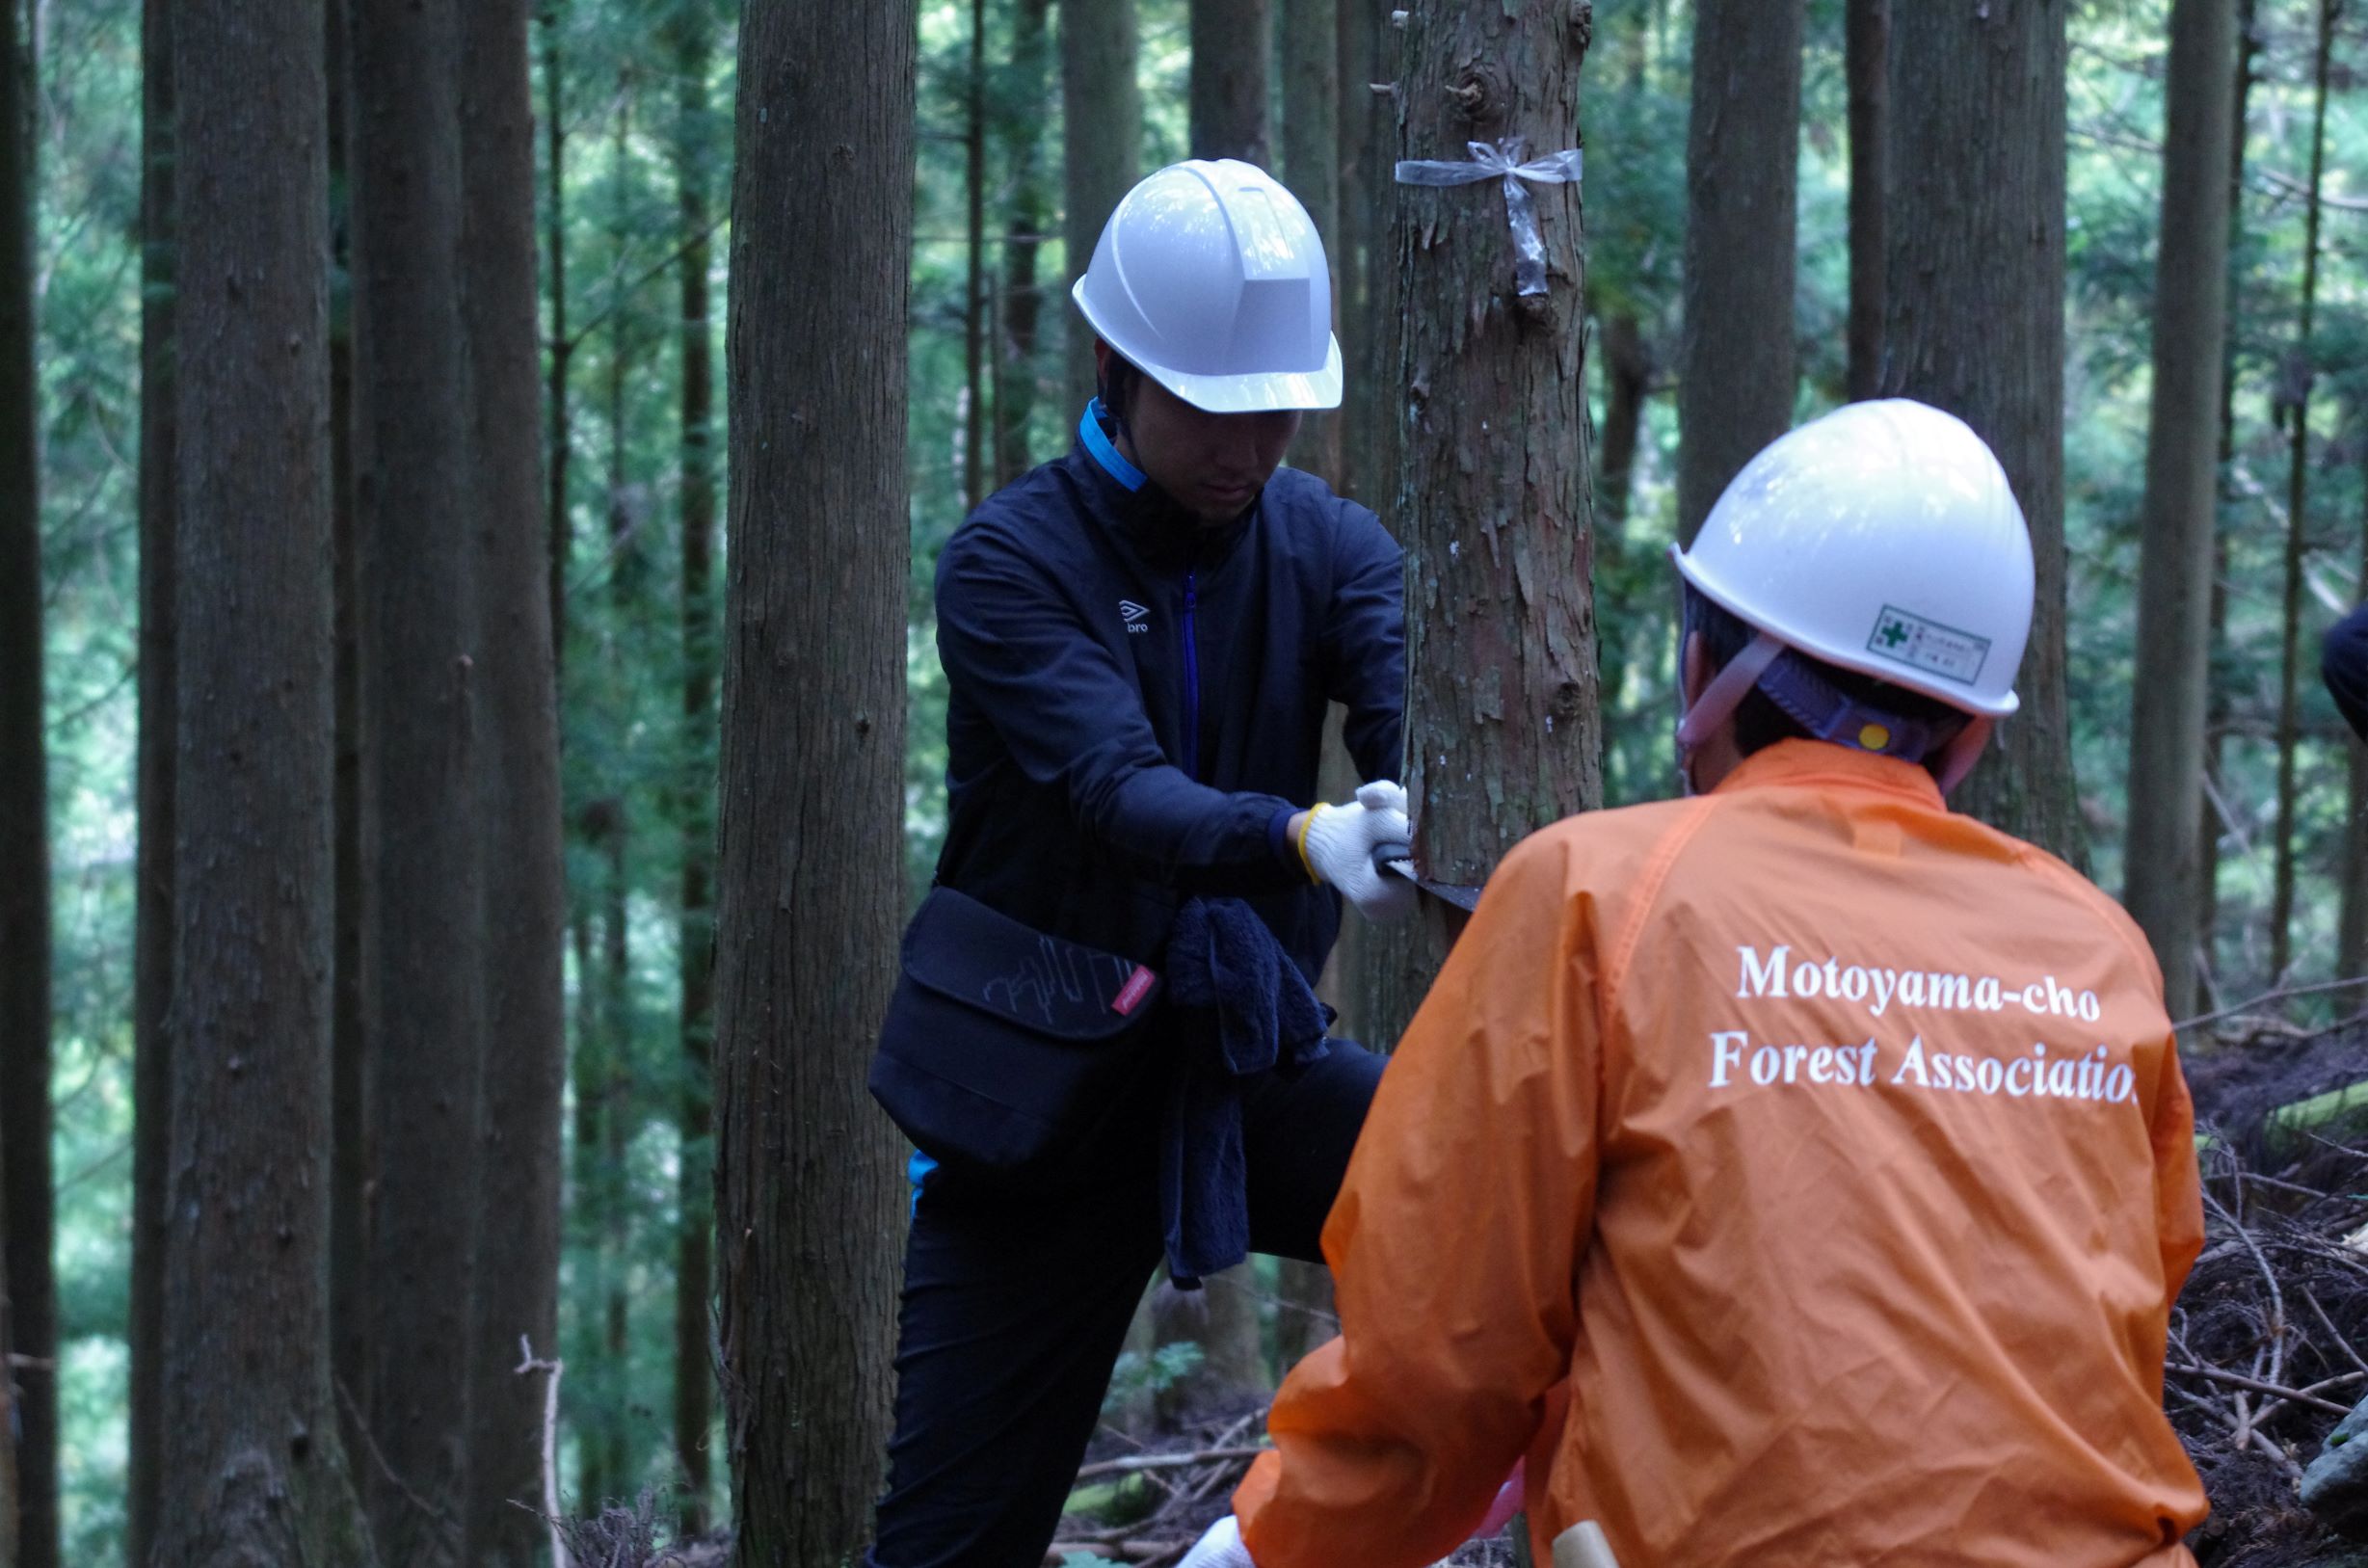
1338 844
1220 1548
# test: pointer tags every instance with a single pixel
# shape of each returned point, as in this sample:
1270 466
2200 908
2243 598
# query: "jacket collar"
1794 762
1125 500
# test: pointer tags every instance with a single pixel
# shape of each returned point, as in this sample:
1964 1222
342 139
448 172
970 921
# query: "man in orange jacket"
1797 1172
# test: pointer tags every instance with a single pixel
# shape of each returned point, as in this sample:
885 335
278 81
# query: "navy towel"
1255 1010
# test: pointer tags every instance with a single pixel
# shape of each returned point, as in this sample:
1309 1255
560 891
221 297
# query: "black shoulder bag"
1007 1050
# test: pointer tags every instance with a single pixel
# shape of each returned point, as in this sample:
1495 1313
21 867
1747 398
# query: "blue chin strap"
1104 450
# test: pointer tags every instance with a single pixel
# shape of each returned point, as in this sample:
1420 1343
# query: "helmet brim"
1266 392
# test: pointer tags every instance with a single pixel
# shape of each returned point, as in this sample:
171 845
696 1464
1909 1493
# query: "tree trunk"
518 1197
1628 373
1364 137
1311 167
811 855
152 908
349 1099
2216 711
2298 375
2175 580
2352 928
8 1414
1974 323
254 1471
975 454
424 951
26 1226
1231 44
1221 1318
1742 146
615 1220
695 149
1022 296
555 516
1502 720
587 1207
1867 53
1102 119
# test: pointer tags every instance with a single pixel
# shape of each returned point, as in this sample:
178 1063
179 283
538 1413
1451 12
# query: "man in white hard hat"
1104 1044
1792 1174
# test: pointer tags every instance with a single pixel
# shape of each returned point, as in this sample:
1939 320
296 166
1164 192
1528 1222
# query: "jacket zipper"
1192 674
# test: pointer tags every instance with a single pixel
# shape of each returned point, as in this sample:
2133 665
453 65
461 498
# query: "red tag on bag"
1130 994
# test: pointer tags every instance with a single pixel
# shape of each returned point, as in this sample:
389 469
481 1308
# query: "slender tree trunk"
1742 145
1232 46
2175 582
2352 930
153 909
26 1225
695 152
616 1094
562 347
809 858
1221 1318
1311 167
1102 121
2215 713
1022 296
588 1205
1628 372
628 573
2299 374
348 1100
8 1415
517 1299
1493 474
1365 143
1868 64
254 1471
975 464
424 950
1974 323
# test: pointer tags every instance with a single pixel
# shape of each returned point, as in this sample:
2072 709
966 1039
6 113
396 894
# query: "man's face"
1212 463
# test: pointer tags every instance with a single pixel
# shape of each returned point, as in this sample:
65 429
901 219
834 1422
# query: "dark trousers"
1016 1306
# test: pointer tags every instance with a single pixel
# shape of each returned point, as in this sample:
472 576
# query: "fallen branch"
2237 1380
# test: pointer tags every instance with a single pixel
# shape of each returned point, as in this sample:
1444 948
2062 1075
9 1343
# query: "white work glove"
1339 842
1220 1548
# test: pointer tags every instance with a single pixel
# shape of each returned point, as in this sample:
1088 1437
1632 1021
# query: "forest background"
633 168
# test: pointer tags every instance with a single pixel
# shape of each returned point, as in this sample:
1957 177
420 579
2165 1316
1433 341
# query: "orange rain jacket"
1831 1147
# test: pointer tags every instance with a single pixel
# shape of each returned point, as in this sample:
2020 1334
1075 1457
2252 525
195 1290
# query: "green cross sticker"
1894 633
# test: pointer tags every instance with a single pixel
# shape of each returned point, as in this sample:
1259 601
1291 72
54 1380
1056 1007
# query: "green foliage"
1137 1374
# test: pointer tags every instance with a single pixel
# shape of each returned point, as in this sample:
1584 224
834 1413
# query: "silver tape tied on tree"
1503 161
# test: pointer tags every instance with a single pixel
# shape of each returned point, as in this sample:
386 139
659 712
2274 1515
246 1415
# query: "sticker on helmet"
1929 646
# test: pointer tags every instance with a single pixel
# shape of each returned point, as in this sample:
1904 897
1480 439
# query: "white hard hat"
1211 278
1883 538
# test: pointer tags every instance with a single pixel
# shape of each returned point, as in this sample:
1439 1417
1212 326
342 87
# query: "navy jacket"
1136 703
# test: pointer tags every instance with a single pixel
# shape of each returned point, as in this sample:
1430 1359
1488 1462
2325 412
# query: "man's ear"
1693 668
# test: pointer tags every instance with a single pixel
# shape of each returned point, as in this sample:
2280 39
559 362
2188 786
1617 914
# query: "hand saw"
1397 861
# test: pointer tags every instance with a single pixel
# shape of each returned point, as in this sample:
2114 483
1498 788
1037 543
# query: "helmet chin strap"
1726 692
1964 753
1719 699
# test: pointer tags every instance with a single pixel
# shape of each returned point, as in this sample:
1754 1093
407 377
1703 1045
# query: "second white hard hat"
1211 278
1883 538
